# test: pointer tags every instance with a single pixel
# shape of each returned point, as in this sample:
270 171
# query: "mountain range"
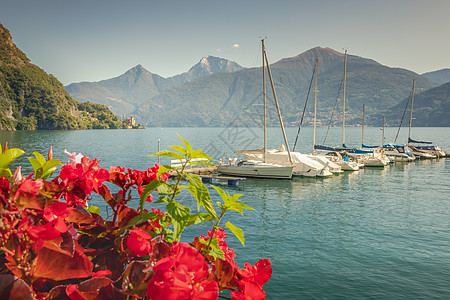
125 93
439 76
430 108
217 92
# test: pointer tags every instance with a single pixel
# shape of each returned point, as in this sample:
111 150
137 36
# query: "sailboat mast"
315 108
382 136
362 134
410 117
264 101
276 104
343 97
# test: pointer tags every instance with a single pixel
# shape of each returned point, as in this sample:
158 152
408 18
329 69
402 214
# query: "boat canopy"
369 147
428 147
358 151
418 142
324 148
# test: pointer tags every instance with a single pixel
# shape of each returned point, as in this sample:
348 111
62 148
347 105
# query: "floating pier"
231 180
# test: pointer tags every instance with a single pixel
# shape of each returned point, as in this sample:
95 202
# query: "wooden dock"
198 171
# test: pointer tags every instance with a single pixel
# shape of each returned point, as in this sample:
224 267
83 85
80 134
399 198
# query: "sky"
93 40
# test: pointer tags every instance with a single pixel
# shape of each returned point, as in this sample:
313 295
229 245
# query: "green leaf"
49 167
213 248
5 172
216 253
163 199
236 231
39 157
167 189
51 164
37 167
224 195
148 189
5 160
204 162
199 218
238 206
163 169
14 152
231 202
179 149
201 194
167 153
186 144
179 215
200 154
139 219
94 209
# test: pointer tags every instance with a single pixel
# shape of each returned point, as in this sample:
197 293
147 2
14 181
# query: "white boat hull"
303 166
273 172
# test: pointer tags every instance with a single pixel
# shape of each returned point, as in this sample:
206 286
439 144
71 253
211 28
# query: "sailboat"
303 165
339 155
321 159
375 156
422 151
256 168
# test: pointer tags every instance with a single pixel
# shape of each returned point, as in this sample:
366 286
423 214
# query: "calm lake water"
371 234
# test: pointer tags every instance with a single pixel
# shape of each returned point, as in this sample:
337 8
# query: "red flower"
138 242
259 273
47 232
4 187
29 188
251 280
83 178
182 275
55 211
248 291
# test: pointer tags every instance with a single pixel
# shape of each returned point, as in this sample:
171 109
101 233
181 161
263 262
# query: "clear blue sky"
100 39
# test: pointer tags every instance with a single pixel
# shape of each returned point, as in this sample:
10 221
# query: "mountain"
124 94
208 65
430 108
440 76
32 99
222 98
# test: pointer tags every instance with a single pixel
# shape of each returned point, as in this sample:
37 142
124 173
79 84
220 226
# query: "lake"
370 234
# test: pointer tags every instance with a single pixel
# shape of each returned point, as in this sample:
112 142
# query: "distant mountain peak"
137 69
211 64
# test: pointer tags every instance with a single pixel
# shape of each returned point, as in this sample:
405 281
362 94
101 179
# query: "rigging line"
304 108
401 121
334 109
323 75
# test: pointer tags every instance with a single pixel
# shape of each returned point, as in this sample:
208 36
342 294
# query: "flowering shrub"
55 245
